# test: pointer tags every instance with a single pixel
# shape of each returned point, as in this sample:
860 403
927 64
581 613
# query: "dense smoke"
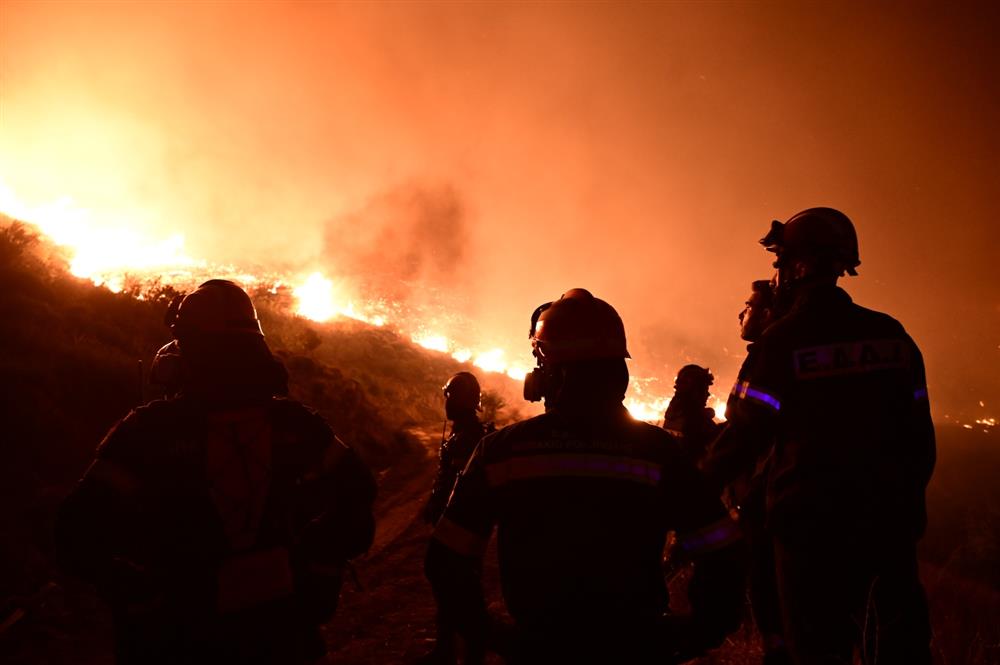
402 239
636 150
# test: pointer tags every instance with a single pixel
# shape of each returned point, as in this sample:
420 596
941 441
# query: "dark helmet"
577 327
217 307
462 391
691 377
822 234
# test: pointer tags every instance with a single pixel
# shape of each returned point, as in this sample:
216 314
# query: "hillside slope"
74 360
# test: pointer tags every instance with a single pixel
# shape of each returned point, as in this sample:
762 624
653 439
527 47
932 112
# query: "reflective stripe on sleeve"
459 539
920 393
745 391
572 465
715 536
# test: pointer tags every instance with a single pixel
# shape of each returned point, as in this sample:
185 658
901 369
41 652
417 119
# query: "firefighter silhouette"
839 393
217 523
582 498
462 396
746 493
688 417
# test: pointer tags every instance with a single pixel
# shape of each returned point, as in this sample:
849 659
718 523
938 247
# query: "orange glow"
99 252
182 139
720 407
491 361
315 298
105 256
321 299
432 342
517 373
650 411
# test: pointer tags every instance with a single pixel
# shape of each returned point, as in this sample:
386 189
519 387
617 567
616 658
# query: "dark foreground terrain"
68 358
393 614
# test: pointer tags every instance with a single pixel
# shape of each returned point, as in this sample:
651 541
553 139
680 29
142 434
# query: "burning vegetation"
124 260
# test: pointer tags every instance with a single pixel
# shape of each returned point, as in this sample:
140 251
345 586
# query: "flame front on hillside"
107 255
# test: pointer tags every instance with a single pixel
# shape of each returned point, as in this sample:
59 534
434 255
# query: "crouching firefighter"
217 523
582 498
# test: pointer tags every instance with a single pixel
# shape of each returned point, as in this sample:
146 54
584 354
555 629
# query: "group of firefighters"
218 523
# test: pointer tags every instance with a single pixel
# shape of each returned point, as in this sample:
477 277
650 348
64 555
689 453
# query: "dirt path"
390 618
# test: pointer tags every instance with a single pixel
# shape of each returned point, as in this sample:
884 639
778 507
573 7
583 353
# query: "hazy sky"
504 153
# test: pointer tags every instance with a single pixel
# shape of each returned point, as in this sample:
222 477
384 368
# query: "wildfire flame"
320 299
100 253
106 255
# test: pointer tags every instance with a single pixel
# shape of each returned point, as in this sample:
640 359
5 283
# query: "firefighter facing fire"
462 397
217 523
688 417
582 498
840 392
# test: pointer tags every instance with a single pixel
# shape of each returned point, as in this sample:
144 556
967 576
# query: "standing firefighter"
689 418
840 392
217 523
746 493
582 498
462 400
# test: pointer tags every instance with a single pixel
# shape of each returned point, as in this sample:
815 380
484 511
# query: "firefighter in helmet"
462 397
745 494
688 417
582 498
839 392
217 523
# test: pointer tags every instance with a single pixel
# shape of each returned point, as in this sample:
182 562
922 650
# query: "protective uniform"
582 498
746 494
462 394
217 524
840 392
688 418
462 400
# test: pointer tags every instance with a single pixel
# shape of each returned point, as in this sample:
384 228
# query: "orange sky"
505 153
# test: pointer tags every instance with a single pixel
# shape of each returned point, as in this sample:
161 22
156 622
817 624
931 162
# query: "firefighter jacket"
582 501
693 426
746 486
839 391
454 455
191 516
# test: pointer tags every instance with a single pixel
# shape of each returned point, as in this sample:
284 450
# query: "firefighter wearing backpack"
582 498
839 392
217 524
